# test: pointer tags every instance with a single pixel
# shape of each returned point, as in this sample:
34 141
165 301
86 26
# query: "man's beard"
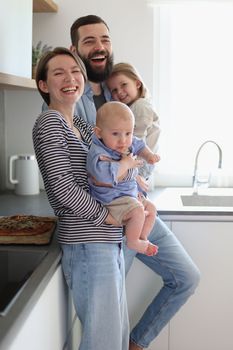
98 76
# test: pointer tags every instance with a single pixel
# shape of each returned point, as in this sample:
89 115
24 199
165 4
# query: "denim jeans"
95 273
180 277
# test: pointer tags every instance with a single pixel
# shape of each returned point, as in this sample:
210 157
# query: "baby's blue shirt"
106 171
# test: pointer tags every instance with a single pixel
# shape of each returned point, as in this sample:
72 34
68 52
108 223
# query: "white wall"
130 23
131 29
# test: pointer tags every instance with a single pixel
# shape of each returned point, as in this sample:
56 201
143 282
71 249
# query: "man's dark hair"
83 21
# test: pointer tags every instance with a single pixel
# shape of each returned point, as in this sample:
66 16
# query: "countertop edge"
12 322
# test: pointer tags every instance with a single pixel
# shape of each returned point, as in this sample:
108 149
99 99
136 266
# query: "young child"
112 168
126 86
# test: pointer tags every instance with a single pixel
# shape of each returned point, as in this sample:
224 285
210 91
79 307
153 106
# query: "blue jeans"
95 273
180 277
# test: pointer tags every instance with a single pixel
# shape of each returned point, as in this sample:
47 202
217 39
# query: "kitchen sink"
184 200
207 200
16 267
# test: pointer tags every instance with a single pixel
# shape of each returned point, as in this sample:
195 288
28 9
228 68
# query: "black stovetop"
16 266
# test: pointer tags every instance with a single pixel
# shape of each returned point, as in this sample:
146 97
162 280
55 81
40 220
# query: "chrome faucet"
194 184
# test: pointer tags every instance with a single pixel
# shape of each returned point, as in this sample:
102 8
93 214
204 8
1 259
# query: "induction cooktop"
16 266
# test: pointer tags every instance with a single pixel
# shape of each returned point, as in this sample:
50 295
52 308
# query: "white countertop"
169 204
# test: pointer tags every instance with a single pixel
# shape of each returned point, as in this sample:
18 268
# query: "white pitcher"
26 172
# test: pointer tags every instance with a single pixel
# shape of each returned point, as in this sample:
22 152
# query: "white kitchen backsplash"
221 178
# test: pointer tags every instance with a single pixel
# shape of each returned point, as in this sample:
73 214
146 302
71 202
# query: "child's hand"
153 158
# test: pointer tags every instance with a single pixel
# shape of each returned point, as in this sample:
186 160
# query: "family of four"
95 144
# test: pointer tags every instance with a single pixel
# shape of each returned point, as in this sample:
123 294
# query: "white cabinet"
46 326
16 37
205 321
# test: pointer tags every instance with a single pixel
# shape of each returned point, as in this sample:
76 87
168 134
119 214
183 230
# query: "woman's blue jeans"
180 276
95 273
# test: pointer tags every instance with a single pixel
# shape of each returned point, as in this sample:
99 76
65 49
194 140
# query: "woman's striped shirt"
61 158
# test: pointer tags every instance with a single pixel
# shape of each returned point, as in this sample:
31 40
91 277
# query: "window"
194 86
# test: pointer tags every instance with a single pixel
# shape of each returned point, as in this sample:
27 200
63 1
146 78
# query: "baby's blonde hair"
130 71
113 109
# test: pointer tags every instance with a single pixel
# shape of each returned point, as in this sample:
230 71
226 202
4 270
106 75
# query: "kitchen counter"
18 310
169 204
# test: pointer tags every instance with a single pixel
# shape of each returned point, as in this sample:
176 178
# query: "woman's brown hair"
42 68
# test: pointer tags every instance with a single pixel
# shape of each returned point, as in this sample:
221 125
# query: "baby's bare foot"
152 249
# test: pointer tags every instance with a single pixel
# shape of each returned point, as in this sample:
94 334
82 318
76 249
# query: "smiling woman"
194 83
91 246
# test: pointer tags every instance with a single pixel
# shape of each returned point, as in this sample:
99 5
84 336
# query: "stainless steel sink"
207 200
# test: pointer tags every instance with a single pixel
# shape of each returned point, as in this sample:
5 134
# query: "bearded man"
91 41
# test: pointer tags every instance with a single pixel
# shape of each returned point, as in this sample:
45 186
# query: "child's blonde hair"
129 71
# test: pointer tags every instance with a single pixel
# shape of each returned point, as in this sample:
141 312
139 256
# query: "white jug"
26 172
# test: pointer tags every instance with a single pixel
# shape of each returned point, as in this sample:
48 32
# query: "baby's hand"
153 158
105 158
131 161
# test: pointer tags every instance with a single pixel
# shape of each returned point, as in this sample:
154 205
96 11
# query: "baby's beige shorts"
121 206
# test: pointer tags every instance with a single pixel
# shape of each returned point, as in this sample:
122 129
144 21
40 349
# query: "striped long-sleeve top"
61 158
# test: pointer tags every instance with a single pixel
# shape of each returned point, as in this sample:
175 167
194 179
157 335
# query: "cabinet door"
46 325
205 321
141 286
16 37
